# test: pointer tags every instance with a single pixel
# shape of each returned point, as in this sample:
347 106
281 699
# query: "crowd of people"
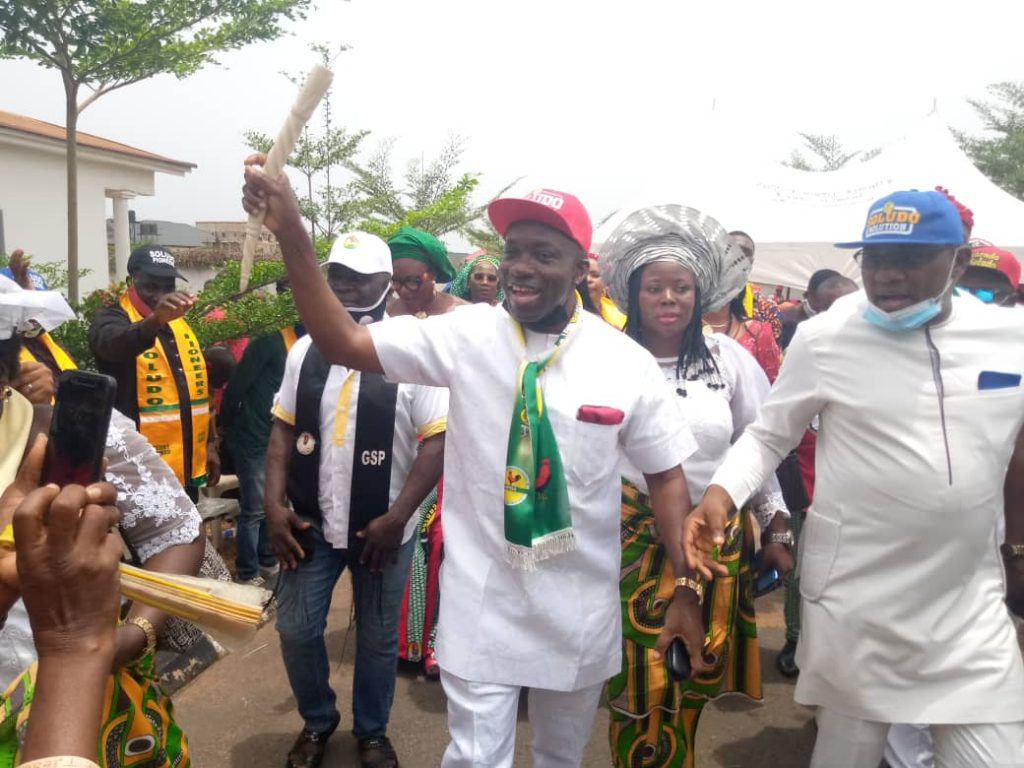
567 468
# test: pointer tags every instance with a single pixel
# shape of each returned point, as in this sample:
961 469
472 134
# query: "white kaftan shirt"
904 618
419 412
557 627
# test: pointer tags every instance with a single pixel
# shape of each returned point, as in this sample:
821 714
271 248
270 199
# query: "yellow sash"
63 360
288 336
160 402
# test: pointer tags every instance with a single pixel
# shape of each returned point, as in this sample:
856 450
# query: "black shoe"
785 662
377 752
308 749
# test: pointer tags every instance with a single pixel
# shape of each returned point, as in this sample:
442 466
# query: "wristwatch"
1012 551
694 584
771 537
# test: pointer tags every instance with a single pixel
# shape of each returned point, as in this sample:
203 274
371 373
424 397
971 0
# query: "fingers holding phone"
67 558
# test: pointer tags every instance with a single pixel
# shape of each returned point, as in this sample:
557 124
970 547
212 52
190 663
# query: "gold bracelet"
696 586
147 627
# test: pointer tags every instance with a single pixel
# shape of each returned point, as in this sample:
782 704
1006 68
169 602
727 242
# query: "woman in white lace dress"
665 266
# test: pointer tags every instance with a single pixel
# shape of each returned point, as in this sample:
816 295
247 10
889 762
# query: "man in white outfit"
545 402
902 576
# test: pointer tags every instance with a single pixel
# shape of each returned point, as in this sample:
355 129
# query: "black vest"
371 458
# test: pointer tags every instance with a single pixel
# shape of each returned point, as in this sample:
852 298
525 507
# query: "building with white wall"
33 194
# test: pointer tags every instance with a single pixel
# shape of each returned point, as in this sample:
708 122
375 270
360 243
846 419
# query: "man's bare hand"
19 265
173 306
704 532
383 538
274 198
281 522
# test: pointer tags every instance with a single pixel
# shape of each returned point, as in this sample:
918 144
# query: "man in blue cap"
905 585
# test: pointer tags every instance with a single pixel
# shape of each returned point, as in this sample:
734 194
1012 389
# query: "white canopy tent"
795 216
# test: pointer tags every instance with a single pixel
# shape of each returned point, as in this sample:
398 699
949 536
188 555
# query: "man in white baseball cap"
343 449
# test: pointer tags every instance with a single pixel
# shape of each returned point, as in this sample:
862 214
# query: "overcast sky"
602 99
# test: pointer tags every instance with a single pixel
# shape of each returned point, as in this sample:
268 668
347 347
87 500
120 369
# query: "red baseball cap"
988 256
558 210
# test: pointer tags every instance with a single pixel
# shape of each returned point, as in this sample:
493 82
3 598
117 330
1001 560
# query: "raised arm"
339 338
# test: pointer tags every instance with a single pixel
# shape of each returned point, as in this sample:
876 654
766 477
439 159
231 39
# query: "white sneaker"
255 581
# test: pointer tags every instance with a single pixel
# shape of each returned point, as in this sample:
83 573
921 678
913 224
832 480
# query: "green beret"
411 243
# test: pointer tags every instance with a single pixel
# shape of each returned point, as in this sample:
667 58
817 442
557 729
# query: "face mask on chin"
374 314
909 318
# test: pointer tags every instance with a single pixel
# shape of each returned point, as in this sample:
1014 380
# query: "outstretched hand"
274 198
704 532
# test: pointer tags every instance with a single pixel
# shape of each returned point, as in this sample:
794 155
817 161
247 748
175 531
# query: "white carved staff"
313 89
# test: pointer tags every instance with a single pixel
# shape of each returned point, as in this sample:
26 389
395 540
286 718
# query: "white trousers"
910 746
848 742
482 724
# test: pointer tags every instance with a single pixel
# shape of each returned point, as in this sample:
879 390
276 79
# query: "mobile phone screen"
78 428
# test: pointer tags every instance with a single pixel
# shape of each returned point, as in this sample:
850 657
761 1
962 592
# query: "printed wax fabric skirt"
138 728
653 719
417 625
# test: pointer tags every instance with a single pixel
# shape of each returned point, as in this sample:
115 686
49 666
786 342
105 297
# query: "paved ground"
240 712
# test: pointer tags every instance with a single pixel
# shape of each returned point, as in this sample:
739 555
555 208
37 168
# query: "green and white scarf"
538 522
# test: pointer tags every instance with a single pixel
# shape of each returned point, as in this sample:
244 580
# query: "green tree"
103 45
431 196
1000 155
328 205
827 154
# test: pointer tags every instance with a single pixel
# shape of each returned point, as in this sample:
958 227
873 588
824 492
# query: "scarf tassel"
549 545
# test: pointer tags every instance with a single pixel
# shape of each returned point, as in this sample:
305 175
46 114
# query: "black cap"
153 260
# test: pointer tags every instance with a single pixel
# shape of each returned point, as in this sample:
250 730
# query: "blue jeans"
302 605
253 541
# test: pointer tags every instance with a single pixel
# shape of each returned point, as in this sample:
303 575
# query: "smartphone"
677 660
764 581
78 428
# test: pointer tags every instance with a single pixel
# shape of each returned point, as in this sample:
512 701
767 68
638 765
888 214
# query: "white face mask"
914 316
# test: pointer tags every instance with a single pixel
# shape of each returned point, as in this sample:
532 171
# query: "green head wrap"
411 243
460 285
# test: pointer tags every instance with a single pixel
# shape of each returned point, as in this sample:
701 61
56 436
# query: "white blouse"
717 417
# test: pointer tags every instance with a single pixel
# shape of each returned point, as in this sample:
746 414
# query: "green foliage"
1000 156
54 273
430 196
108 44
828 153
103 45
222 313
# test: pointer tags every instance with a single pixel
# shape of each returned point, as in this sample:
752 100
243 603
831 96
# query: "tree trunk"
312 216
71 128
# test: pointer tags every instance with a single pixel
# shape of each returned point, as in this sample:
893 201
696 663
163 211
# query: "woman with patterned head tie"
665 266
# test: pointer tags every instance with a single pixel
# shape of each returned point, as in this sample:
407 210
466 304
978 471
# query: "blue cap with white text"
911 218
